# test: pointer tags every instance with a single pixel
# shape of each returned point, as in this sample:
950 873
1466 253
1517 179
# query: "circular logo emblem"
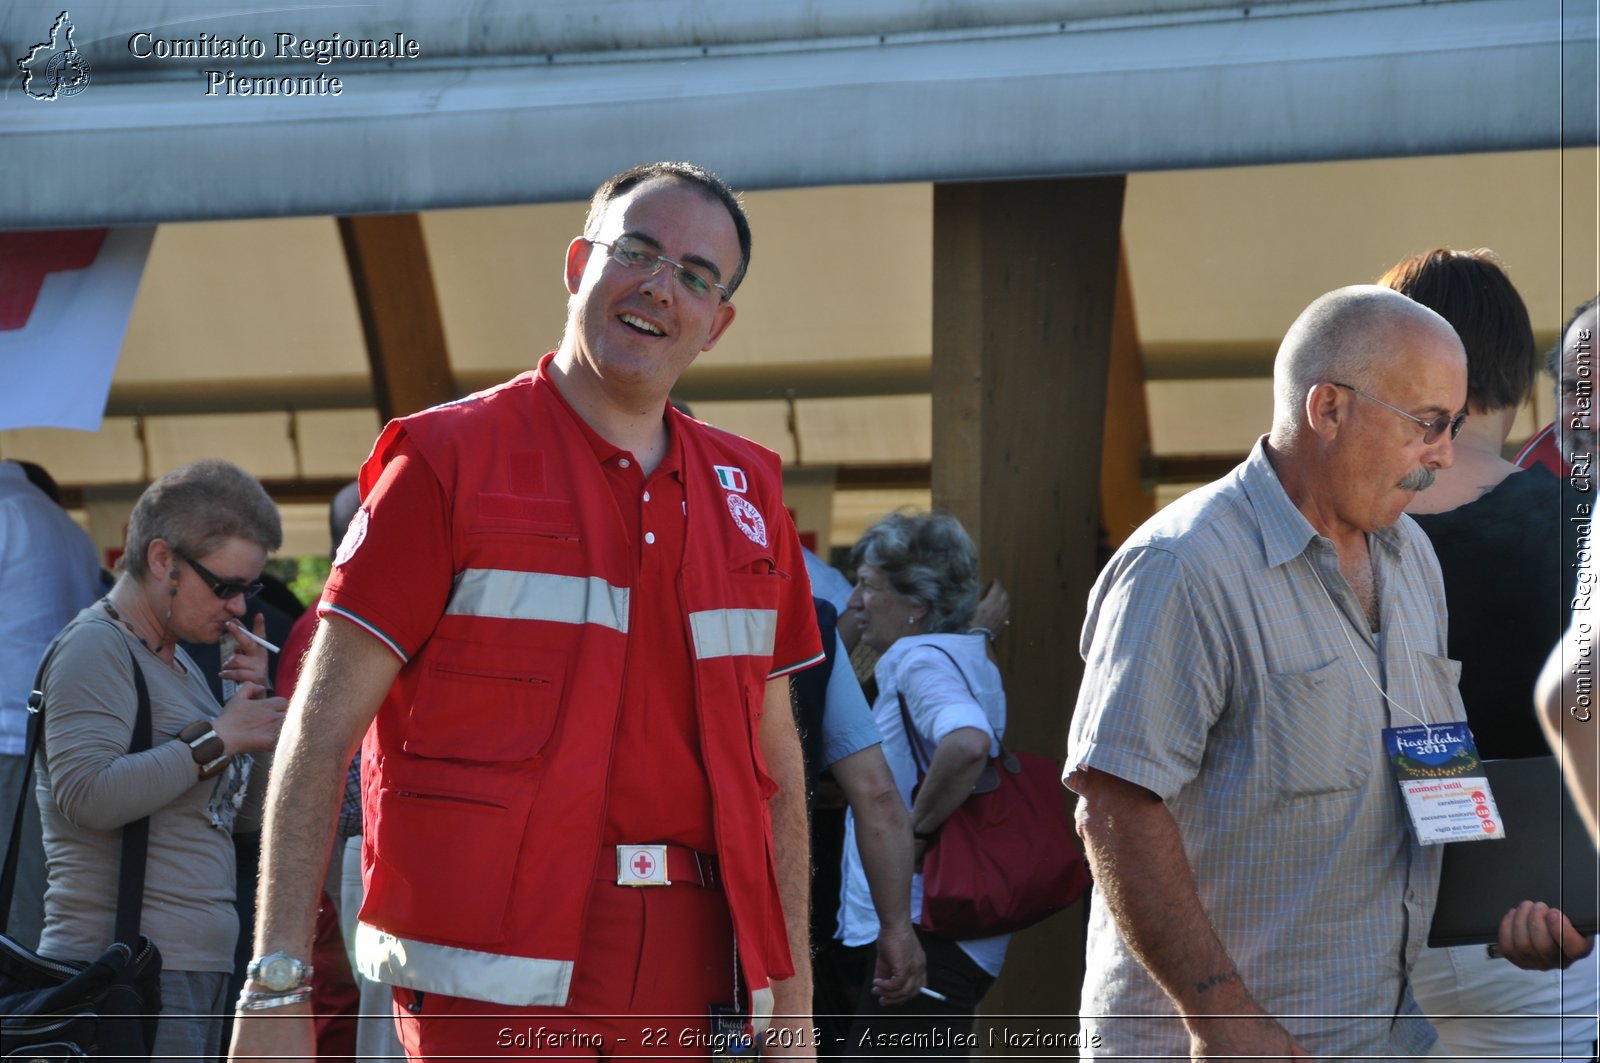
67 73
748 518
353 538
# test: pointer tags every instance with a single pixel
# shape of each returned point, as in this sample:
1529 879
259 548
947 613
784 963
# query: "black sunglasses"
222 588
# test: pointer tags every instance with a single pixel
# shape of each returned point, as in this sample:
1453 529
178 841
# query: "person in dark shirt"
1498 532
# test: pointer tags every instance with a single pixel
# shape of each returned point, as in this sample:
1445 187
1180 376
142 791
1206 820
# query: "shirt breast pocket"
1437 678
1314 737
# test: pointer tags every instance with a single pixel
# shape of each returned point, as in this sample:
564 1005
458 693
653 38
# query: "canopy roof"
510 102
1277 149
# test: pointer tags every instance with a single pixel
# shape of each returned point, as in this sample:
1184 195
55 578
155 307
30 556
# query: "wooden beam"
1025 277
882 477
399 312
319 490
1127 499
1192 468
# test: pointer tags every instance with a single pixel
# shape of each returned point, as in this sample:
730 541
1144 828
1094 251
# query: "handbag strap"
914 737
8 875
135 835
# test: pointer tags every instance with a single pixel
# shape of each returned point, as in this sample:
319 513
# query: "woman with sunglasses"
196 543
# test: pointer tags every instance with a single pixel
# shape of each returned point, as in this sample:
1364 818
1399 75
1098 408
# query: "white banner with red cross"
65 299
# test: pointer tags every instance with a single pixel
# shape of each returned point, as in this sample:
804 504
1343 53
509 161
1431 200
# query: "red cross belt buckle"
642 865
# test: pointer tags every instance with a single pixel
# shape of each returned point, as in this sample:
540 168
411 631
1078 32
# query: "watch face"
279 972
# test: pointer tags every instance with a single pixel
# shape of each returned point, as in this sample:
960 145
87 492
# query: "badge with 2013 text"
1442 780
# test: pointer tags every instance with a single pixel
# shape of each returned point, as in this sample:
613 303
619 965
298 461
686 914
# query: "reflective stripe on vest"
734 632
516 981
761 1011
512 595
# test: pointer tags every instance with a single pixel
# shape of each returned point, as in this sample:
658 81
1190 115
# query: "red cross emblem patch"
748 518
642 865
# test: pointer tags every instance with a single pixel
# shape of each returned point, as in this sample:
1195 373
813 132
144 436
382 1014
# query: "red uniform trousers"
652 962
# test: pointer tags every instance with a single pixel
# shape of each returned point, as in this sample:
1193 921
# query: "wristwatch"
279 972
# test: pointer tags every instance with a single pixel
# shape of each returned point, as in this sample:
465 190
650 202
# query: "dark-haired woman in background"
1498 532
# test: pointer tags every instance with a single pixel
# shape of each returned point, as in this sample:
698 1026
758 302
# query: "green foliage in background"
304 575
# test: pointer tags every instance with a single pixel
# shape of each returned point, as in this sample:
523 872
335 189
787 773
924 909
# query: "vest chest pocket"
483 702
741 619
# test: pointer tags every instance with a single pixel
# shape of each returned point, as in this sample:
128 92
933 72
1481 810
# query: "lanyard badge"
731 1036
1443 783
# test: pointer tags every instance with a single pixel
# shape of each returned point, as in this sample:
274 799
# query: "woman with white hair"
917 585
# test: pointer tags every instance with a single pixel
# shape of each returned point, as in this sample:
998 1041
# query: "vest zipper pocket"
450 799
444 669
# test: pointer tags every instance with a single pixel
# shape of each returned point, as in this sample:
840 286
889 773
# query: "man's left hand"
902 968
792 1034
1537 937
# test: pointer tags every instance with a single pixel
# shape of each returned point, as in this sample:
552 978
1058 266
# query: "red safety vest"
486 768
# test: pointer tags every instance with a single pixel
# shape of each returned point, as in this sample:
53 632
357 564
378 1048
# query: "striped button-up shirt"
1232 671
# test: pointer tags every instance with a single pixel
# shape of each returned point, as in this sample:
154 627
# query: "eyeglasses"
634 253
1431 430
222 588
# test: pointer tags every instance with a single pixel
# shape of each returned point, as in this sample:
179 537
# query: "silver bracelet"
263 1001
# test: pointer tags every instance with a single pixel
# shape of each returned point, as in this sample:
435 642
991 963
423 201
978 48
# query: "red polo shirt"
1543 449
394 577
658 790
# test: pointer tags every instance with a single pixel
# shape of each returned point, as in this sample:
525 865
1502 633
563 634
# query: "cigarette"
257 639
935 994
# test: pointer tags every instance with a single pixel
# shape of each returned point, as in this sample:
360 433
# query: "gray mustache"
1417 480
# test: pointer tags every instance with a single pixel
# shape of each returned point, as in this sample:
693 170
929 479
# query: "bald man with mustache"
1259 888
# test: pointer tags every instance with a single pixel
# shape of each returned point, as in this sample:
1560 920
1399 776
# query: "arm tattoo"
1221 978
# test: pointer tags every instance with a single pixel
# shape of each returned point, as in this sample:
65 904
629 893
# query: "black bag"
106 1008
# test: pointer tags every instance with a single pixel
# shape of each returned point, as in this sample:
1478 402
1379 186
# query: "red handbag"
1008 856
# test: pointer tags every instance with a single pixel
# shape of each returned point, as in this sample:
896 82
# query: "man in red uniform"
1571 362
568 613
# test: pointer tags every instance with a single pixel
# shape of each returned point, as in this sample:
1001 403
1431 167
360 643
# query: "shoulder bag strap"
914 738
136 835
8 875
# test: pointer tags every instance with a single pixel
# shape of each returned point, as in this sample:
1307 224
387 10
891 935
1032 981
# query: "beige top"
89 787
